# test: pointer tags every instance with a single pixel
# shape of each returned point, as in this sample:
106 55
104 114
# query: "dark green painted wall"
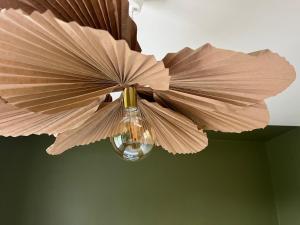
227 184
284 155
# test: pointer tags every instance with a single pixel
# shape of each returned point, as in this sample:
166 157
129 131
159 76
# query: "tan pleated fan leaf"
224 90
21 122
100 126
211 114
174 132
49 66
232 77
110 15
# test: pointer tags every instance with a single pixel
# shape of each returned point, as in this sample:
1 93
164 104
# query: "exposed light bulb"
132 141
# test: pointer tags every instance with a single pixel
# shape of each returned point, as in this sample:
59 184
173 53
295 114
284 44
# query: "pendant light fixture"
60 61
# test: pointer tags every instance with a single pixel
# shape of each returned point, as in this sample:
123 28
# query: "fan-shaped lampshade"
110 15
56 78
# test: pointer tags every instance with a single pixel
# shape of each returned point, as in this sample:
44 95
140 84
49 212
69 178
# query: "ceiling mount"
135 6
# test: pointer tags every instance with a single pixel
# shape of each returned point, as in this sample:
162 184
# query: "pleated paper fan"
21 122
50 66
224 90
61 60
110 15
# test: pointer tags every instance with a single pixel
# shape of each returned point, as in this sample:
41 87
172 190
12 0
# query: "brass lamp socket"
130 97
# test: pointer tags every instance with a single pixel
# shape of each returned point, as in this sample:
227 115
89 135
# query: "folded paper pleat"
48 65
21 122
101 125
172 131
110 15
211 114
223 90
232 77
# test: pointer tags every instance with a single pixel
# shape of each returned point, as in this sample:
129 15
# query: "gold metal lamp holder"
130 97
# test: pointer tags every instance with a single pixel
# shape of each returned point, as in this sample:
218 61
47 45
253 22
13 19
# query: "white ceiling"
170 25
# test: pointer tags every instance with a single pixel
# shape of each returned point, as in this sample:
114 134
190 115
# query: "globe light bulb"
132 141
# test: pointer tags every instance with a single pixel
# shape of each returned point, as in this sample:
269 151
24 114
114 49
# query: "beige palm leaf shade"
56 78
110 15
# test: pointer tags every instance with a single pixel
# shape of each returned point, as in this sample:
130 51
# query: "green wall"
226 184
284 155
